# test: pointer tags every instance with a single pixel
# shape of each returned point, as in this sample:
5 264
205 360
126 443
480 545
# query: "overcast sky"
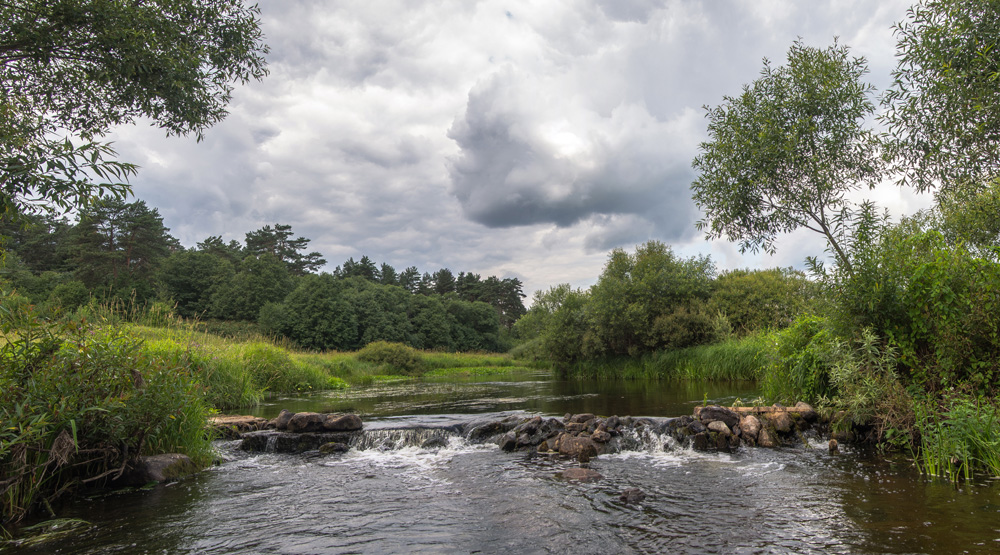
513 138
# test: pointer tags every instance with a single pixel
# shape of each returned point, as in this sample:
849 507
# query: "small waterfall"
392 440
271 442
646 439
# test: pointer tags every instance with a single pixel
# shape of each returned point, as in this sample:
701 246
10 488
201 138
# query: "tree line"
654 300
119 250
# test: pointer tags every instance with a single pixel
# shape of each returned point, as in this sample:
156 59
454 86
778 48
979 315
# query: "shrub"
78 403
396 356
800 361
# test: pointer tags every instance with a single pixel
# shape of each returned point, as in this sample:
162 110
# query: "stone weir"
579 436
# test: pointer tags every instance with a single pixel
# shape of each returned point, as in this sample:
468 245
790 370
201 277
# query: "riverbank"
79 403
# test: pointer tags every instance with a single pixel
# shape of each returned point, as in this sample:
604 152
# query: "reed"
959 436
731 360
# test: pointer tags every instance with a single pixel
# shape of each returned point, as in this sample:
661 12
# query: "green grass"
477 371
730 360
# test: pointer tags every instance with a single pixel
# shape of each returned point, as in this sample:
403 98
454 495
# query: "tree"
260 280
214 245
642 302
444 281
784 154
409 279
278 242
120 245
72 69
191 279
944 104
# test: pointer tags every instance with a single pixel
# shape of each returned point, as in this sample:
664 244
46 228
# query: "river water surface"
391 496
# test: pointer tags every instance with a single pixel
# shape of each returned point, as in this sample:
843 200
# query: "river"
395 497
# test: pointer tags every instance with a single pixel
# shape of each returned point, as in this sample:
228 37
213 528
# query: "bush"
800 361
78 403
396 356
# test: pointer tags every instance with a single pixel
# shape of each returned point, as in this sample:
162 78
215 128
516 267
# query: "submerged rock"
633 495
158 468
334 447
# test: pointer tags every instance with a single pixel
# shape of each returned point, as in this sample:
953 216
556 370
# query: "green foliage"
80 68
119 246
278 242
784 154
936 302
869 392
727 361
259 280
960 436
650 300
192 278
77 403
800 361
395 356
760 300
944 112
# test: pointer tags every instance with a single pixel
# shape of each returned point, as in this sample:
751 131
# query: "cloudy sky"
515 138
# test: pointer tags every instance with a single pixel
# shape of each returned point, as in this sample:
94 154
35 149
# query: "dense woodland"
118 251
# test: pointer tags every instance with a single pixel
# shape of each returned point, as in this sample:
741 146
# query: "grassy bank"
79 401
730 360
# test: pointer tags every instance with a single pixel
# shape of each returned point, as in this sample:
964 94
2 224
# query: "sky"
513 138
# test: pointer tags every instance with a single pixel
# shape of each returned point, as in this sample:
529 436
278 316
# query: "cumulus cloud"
501 137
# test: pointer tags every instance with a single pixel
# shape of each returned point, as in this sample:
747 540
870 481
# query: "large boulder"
750 425
281 421
305 422
781 421
808 413
342 422
713 413
719 427
577 447
766 439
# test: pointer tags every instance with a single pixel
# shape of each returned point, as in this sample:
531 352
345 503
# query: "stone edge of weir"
579 436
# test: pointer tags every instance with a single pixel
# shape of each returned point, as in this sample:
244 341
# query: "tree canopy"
785 152
72 69
944 105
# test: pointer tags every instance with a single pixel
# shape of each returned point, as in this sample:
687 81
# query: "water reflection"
536 393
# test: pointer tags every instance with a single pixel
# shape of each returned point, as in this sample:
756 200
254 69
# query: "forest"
118 252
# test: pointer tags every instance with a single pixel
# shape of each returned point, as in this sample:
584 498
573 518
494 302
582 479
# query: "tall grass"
78 403
960 436
730 360
238 374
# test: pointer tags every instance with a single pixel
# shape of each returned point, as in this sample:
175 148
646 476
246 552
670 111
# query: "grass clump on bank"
238 374
78 403
730 360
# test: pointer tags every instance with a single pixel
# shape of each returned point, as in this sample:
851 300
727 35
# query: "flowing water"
388 495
